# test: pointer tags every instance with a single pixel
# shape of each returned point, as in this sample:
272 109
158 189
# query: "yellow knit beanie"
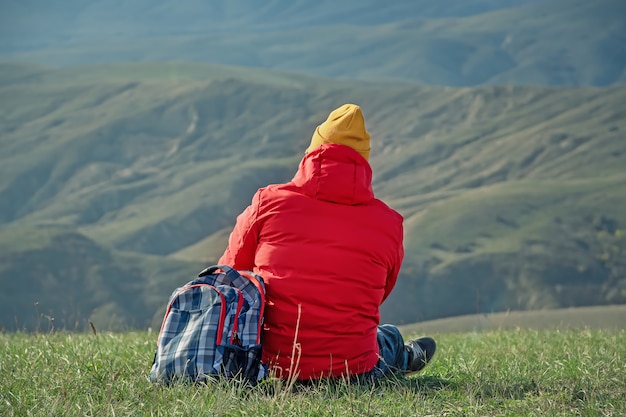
345 126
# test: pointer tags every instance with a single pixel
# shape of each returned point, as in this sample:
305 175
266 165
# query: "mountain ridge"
549 42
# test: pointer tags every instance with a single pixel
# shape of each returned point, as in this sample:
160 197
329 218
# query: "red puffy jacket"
330 254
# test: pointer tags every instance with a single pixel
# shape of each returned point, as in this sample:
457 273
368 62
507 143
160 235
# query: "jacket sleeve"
243 240
392 274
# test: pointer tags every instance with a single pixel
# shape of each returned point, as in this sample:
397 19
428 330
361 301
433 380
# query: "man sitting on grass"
330 253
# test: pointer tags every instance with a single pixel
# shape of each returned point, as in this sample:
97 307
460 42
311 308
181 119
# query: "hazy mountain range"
444 42
120 180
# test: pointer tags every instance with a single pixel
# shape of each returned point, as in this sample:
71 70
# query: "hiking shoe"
421 351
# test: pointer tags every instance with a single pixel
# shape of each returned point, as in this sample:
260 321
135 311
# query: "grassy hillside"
56 278
610 318
459 43
512 196
503 373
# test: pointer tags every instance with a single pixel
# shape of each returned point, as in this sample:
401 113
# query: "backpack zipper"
237 313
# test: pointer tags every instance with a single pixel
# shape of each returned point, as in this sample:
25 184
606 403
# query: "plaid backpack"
212 327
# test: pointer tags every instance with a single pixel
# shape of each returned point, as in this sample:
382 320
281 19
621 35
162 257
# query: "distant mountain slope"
36 23
512 196
56 278
596 317
456 43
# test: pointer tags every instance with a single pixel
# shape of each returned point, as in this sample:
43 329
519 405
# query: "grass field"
502 372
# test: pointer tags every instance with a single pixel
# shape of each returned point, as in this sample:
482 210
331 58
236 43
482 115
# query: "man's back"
329 252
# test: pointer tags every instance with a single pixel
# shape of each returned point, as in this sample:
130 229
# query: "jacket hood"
335 173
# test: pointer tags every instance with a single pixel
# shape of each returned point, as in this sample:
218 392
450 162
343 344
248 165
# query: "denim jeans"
394 357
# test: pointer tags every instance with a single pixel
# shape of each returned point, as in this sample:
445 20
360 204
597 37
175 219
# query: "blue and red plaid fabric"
212 316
